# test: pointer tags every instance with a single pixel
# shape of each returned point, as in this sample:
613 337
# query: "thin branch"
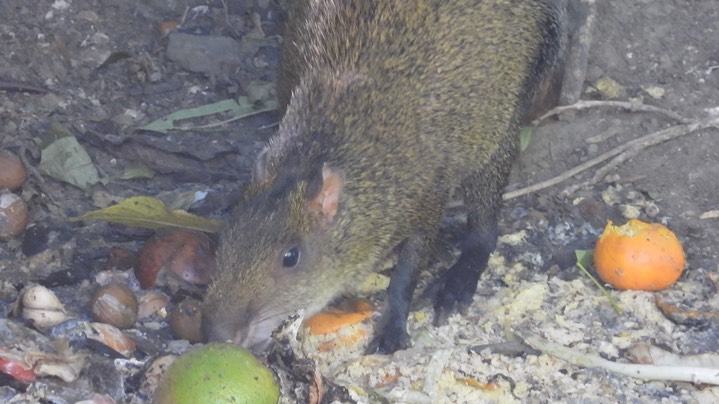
629 106
632 146
692 374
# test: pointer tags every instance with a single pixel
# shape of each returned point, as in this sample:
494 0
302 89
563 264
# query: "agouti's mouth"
256 336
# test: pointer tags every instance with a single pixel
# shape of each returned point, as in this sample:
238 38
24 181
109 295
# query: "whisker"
268 314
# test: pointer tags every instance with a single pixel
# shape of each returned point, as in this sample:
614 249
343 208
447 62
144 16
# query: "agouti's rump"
390 105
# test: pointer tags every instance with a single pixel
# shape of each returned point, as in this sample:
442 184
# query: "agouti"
390 106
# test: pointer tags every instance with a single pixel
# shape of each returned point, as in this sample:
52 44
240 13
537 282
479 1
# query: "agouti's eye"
291 257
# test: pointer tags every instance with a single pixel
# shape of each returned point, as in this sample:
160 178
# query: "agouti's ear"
260 171
327 200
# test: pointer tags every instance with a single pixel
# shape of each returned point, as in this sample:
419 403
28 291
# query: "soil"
100 70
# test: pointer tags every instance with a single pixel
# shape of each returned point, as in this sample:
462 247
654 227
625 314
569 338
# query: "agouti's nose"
218 331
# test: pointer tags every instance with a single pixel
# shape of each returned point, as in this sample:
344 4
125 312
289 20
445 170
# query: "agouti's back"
390 105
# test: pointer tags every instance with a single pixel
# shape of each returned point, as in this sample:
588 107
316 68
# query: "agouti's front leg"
391 335
483 201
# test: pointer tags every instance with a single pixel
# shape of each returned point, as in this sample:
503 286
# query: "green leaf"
137 170
114 58
150 213
240 108
585 258
655 195
525 137
66 160
182 199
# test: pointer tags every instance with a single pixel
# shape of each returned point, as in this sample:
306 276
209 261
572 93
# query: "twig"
31 168
226 121
228 23
634 146
183 20
692 374
629 106
16 86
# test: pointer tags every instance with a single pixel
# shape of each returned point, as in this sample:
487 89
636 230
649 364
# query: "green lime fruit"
217 373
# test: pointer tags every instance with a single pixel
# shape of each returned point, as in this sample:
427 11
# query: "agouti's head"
274 254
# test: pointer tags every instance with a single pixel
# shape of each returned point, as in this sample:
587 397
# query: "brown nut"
185 319
120 259
112 337
151 302
14 215
178 253
12 171
40 305
114 304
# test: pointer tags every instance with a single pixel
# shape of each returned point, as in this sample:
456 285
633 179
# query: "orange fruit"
331 320
639 256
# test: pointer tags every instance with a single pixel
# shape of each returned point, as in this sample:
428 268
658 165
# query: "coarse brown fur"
390 105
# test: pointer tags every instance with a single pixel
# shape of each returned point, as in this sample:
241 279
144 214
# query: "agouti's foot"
388 343
446 304
459 284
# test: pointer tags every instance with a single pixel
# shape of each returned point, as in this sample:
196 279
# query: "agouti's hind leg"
482 198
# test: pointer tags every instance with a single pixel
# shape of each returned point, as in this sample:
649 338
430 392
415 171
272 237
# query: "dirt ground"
100 70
